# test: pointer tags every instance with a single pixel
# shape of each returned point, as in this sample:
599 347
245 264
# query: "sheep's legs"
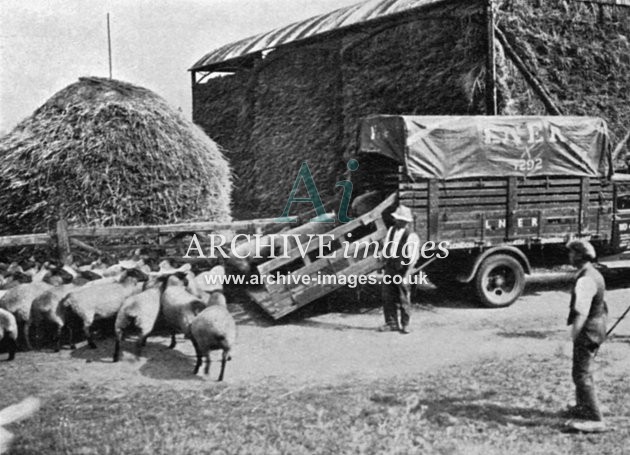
117 347
27 335
88 336
58 338
224 359
142 341
11 348
199 356
173 341
207 369
27 342
70 339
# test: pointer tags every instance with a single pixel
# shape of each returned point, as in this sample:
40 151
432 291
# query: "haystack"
105 152
303 102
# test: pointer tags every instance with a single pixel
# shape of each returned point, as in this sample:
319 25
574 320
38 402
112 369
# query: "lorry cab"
618 255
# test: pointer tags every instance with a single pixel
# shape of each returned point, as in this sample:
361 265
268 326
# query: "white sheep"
8 332
212 329
18 300
46 307
100 301
179 306
140 311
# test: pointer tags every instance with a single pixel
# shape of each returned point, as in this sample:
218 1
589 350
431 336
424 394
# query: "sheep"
18 300
179 306
140 310
46 307
8 332
100 301
214 328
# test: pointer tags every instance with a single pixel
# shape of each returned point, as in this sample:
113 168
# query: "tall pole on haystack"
109 47
491 71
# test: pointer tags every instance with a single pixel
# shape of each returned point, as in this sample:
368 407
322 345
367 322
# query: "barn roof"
370 10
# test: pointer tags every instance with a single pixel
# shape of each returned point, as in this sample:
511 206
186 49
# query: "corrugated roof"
341 18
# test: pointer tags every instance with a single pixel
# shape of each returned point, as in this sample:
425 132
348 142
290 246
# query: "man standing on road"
401 251
587 318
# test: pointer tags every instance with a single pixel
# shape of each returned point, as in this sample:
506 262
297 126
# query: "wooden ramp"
346 256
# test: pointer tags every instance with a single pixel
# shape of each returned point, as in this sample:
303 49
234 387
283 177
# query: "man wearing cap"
587 317
401 251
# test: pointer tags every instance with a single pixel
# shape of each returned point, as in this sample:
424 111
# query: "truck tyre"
499 281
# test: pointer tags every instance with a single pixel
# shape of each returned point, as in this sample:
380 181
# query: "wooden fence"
161 236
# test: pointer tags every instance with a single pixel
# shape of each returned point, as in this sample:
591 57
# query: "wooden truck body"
505 193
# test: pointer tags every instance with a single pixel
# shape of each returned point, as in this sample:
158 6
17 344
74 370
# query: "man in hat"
587 318
401 251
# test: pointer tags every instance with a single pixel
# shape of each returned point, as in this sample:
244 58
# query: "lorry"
505 192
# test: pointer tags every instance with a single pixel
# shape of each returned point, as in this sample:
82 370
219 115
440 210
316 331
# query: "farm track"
516 359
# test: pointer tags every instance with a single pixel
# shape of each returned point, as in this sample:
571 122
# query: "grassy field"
491 407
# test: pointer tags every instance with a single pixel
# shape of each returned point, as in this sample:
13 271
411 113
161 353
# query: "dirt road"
336 347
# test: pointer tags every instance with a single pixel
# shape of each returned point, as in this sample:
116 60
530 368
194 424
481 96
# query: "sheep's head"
134 273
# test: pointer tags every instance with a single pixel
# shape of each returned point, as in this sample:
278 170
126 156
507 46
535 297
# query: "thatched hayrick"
105 152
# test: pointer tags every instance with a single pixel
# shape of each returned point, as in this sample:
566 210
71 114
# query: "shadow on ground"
161 362
537 334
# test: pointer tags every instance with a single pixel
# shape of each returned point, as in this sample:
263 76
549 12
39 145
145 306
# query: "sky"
46 45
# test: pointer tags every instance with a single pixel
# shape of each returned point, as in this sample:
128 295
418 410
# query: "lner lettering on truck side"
501 223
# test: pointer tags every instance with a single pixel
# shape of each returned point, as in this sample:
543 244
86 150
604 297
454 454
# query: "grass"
493 407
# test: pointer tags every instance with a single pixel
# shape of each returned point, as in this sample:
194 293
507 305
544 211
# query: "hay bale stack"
296 119
303 102
580 52
105 152
432 66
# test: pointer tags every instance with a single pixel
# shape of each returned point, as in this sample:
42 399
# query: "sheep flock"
41 303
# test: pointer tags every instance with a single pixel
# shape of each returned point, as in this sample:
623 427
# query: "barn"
295 94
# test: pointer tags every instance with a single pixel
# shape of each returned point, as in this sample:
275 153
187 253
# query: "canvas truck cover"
451 147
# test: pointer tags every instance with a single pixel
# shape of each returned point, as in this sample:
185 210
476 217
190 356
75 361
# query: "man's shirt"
585 290
411 248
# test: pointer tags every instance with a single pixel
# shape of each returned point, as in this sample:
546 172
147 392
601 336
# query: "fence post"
63 242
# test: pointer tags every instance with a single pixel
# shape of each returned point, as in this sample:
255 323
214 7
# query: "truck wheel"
499 281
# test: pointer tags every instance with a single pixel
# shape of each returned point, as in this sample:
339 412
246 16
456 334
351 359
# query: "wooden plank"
549 182
413 195
584 185
490 88
512 204
535 190
531 78
337 233
472 201
433 210
10 241
117 231
456 184
85 246
472 193
63 242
